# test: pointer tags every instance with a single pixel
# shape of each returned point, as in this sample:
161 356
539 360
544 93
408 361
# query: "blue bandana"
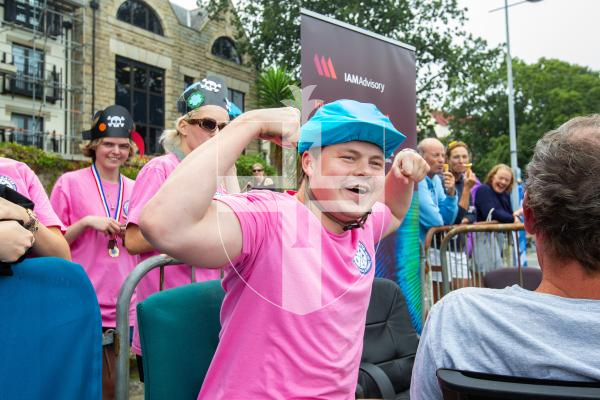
345 121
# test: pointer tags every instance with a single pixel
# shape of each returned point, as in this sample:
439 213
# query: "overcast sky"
565 29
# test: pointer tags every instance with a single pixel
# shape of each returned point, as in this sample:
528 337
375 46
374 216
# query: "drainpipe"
94 6
64 144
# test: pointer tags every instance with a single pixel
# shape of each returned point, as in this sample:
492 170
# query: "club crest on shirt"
362 259
7 181
126 207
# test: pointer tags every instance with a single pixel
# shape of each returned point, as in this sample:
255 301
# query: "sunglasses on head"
208 124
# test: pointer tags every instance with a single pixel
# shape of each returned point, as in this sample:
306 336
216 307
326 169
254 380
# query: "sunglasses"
257 170
208 124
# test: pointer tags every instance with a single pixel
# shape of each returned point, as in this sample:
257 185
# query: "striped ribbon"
100 188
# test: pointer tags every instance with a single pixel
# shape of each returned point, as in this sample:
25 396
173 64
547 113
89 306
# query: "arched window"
225 48
138 13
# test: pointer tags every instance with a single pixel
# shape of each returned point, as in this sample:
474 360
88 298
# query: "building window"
187 81
138 13
29 130
225 48
140 89
33 14
30 71
236 97
31 78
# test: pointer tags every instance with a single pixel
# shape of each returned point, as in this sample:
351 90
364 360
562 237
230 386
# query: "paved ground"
136 388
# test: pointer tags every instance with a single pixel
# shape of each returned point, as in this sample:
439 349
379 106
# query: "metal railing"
55 143
122 329
34 86
460 255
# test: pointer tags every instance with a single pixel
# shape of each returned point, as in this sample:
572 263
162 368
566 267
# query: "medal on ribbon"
113 249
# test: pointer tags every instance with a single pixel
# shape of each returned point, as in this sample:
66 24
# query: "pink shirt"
75 196
18 176
147 183
296 299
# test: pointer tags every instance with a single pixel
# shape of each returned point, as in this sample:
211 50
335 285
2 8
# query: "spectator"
93 203
200 121
459 162
42 221
296 267
259 180
494 196
543 334
436 208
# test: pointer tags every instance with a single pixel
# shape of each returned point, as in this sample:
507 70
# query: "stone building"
142 54
139 54
36 49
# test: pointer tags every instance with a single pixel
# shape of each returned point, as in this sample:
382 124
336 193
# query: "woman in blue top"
494 195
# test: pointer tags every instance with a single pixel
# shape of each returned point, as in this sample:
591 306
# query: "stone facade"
184 50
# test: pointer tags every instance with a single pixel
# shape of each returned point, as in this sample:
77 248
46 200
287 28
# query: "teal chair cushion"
179 332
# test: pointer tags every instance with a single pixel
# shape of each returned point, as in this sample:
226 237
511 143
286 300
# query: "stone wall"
182 51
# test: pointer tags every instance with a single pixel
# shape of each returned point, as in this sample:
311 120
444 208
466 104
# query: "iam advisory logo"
324 66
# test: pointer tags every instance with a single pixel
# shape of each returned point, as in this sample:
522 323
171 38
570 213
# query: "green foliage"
244 165
547 94
446 56
48 167
273 87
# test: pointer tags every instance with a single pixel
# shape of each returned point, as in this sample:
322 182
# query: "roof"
190 18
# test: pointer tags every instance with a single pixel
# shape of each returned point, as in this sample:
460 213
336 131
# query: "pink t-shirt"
75 196
147 183
18 176
296 299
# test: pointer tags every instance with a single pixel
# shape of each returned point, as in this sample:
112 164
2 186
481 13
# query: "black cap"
113 121
211 90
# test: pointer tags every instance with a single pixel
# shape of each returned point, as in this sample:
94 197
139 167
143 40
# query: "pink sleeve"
382 217
43 208
147 183
60 201
257 219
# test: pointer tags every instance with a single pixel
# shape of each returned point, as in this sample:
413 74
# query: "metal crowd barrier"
460 255
122 329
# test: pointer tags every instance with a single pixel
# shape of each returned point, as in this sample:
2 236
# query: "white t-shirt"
511 331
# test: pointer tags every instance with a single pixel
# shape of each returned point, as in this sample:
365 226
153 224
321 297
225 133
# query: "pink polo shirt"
75 196
147 183
18 176
296 299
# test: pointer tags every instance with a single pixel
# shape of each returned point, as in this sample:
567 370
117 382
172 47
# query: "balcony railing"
33 86
44 20
49 142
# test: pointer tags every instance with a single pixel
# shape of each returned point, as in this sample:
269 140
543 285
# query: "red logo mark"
324 68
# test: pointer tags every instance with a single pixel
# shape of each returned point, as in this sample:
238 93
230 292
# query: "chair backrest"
179 332
466 385
503 277
51 332
390 342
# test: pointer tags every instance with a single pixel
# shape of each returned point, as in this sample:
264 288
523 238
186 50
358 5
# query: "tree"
269 30
273 89
547 94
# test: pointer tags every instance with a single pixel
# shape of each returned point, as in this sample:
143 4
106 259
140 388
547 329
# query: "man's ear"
307 164
528 214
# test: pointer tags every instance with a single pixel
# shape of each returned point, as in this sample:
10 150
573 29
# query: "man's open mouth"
358 189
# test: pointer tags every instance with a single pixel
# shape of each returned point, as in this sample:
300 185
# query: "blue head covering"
347 120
